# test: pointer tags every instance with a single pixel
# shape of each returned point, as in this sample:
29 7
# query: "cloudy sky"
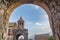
35 17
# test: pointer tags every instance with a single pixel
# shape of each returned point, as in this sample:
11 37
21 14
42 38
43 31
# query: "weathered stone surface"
7 6
55 18
10 38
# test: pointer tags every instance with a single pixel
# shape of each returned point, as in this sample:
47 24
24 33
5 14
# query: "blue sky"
35 17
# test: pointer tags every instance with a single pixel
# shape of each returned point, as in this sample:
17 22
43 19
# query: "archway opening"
19 37
36 20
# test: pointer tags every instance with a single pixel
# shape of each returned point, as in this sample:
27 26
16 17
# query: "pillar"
55 13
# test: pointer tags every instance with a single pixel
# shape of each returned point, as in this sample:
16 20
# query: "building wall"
10 38
41 37
11 29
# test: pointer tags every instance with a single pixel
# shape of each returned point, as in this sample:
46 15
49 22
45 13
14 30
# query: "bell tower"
21 23
20 30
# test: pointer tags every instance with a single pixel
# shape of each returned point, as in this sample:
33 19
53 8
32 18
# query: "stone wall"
55 11
54 7
19 32
3 29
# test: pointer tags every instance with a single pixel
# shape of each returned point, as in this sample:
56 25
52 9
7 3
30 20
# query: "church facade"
15 31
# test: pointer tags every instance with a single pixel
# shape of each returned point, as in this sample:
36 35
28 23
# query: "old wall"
52 8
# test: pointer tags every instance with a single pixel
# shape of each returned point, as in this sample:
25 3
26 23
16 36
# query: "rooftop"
42 35
12 23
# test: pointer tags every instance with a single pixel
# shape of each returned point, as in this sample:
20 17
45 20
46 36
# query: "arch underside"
41 4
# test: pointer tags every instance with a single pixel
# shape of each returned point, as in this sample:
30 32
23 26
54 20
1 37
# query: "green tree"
50 38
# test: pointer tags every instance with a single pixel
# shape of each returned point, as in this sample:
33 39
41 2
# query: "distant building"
15 31
42 37
12 26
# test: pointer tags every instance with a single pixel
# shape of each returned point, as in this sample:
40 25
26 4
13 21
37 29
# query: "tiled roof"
42 35
11 23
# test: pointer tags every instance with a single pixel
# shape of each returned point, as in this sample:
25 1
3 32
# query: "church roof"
12 23
21 19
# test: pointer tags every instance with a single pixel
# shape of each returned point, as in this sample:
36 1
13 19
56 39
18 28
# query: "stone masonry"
52 7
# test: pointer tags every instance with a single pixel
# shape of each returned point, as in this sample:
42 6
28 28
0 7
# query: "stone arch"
52 7
20 32
21 37
36 2
41 4
17 36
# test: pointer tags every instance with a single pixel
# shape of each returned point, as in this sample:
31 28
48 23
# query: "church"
16 31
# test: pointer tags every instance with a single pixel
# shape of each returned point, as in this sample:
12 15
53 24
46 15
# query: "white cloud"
37 28
46 16
38 24
28 22
35 6
32 23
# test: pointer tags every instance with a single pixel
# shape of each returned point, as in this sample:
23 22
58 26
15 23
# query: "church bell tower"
21 23
20 30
